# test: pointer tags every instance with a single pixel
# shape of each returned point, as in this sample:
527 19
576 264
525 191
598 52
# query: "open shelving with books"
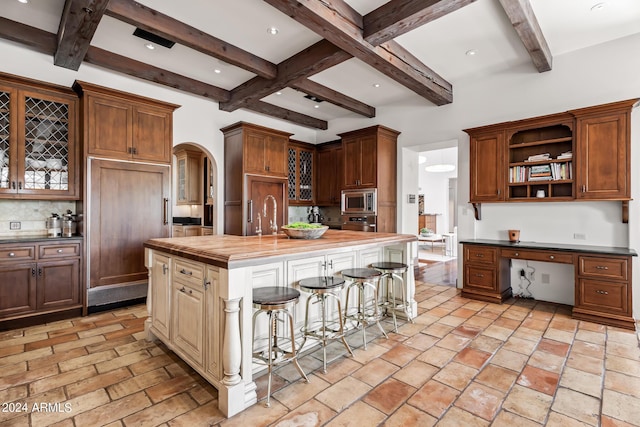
541 163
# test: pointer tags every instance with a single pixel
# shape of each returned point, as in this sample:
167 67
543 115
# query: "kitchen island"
200 293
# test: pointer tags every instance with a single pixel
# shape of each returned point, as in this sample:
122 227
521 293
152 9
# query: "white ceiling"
568 25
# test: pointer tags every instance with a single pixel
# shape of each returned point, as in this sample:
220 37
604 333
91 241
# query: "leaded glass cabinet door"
7 141
49 151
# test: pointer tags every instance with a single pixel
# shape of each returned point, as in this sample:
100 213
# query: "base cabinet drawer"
604 268
607 297
480 254
480 278
546 256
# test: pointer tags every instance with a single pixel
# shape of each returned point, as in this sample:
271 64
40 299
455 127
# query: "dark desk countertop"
603 250
36 239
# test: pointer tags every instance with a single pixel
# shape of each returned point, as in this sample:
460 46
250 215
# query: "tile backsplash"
31 214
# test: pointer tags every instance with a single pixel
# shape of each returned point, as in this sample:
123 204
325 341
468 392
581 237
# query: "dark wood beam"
155 22
526 25
45 42
334 97
322 18
312 60
78 24
35 38
141 70
397 17
284 114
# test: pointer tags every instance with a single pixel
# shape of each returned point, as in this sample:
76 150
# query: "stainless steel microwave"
362 201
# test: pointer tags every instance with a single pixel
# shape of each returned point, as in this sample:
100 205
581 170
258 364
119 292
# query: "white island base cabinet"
203 312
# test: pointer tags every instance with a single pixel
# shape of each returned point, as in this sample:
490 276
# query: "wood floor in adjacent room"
462 363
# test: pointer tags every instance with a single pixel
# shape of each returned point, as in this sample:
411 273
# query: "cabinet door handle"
250 209
207 283
184 291
33 272
59 251
584 188
480 255
164 268
165 211
12 254
188 273
135 150
19 185
602 267
601 292
39 272
331 264
13 185
498 191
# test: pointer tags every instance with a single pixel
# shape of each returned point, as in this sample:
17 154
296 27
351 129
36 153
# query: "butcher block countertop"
240 251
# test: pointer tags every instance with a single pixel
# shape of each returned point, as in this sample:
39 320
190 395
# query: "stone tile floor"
462 363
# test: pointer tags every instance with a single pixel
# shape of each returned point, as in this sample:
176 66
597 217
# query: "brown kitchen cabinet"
603 290
302 172
369 158
39 150
40 278
329 174
486 166
486 275
129 205
247 180
189 177
604 145
428 221
124 126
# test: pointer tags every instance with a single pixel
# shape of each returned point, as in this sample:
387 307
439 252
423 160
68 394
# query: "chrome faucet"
259 228
272 222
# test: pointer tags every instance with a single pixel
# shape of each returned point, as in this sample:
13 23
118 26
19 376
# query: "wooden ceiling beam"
310 61
78 24
45 42
334 97
397 17
525 23
141 16
284 114
322 17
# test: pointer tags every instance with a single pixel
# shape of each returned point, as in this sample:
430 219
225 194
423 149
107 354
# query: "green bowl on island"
303 230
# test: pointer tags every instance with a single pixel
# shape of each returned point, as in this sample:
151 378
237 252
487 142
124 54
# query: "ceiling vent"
153 38
314 98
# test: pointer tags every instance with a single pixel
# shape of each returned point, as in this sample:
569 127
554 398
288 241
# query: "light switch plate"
14 225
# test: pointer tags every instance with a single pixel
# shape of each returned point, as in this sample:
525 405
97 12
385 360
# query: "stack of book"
540 173
567 155
561 170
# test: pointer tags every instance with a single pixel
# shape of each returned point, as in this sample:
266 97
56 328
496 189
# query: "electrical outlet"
14 225
545 278
579 236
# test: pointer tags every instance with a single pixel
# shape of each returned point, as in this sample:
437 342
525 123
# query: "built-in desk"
602 275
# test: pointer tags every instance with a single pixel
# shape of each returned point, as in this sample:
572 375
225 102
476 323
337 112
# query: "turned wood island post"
200 293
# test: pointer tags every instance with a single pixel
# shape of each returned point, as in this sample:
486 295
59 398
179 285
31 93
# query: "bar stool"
391 271
366 311
323 288
275 301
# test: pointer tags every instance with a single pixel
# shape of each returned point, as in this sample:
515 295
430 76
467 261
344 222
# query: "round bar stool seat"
323 288
392 271
366 311
275 301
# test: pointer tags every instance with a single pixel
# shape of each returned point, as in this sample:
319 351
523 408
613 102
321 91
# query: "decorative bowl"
304 233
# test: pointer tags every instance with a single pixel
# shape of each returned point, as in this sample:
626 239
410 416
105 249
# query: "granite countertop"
238 251
605 250
35 239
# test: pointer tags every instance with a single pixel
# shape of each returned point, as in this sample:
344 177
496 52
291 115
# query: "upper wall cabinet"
119 125
38 140
263 150
580 154
189 177
301 165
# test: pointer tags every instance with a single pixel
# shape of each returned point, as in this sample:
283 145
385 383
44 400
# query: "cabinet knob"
601 292
552 257
59 251
12 254
601 267
517 254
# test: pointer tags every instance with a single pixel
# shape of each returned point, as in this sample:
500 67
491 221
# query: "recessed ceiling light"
376 85
24 1
273 31
598 6
316 106
471 52
217 71
149 46
278 93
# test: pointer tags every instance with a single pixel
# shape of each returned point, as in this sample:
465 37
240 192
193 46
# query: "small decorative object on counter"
514 236
69 224
54 226
302 230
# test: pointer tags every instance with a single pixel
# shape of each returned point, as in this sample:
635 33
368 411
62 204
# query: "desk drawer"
480 254
59 250
609 268
533 255
612 297
188 271
17 253
480 278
